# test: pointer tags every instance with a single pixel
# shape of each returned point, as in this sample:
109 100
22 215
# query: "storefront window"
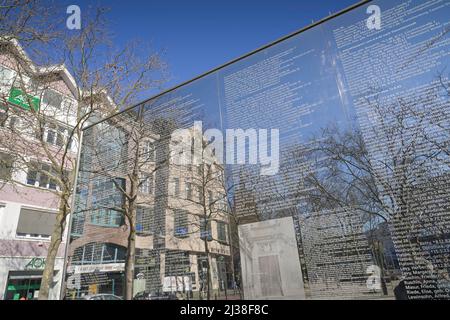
23 285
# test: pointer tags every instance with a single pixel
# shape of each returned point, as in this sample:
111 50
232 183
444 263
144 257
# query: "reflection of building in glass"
364 159
178 209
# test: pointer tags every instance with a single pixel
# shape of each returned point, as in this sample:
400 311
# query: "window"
146 184
200 194
148 152
32 177
57 135
3 117
77 224
222 231
52 98
176 187
8 121
188 190
51 134
39 175
144 220
60 137
181 227
98 253
205 229
35 223
6 166
107 218
222 203
106 193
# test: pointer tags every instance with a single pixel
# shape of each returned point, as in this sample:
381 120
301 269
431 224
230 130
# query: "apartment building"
28 203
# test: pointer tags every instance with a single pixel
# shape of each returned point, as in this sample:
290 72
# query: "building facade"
28 197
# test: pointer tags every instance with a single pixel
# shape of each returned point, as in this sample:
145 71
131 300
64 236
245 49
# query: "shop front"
23 285
20 278
95 279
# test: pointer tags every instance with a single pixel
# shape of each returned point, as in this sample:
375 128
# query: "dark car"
156 295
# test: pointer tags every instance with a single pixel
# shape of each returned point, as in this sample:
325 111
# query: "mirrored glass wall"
315 168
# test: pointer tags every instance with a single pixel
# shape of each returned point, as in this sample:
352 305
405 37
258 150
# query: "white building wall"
13 259
18 263
9 217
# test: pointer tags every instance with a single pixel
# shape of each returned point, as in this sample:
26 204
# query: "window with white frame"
146 184
40 175
222 230
57 135
148 151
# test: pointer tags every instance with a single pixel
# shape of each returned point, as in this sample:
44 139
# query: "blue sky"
199 35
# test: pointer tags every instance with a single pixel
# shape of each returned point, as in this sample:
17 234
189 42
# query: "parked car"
102 296
155 295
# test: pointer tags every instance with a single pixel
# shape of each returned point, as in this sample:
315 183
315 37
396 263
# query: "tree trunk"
129 264
208 267
131 246
130 213
55 241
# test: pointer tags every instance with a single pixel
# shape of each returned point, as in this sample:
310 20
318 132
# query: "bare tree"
28 21
389 171
104 79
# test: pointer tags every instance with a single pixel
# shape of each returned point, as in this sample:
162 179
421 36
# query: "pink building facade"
28 208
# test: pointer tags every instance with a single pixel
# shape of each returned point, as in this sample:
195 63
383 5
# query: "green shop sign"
23 100
35 263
